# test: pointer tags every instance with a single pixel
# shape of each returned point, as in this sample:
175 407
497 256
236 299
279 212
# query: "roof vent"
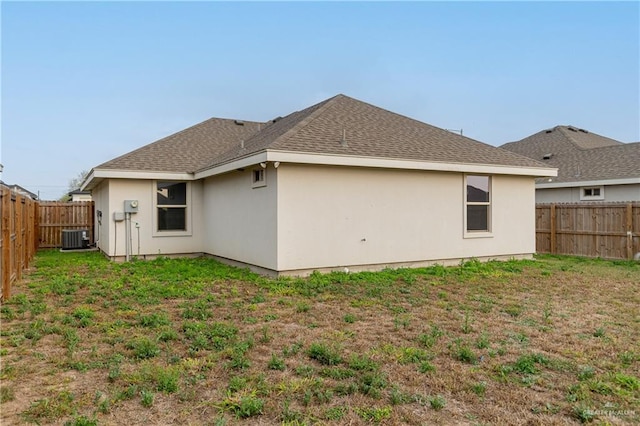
239 122
548 130
583 130
547 156
276 119
573 129
343 141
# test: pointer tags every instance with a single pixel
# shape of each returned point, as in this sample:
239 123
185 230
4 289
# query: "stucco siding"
612 193
100 196
145 240
341 216
240 220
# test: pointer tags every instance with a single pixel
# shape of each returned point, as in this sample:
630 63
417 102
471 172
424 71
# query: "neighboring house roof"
80 192
339 126
20 190
580 155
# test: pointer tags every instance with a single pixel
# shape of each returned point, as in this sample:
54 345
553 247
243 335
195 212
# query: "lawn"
191 341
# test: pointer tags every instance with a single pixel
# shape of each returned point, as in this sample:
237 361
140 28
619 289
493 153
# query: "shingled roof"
580 155
337 126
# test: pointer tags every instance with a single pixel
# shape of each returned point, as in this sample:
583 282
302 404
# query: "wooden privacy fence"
55 216
606 230
18 236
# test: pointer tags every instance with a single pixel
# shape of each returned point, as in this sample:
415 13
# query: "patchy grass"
191 341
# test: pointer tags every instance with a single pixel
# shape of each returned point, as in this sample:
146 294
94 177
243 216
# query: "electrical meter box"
118 216
131 206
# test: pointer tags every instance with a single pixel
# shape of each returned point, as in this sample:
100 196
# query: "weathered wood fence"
606 230
18 236
55 216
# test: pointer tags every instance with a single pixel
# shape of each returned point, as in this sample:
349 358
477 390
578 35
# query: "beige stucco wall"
240 221
109 198
341 216
100 195
612 193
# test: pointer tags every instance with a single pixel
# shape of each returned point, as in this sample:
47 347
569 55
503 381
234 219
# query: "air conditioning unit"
75 239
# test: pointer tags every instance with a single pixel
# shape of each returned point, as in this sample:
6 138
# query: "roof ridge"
307 120
252 144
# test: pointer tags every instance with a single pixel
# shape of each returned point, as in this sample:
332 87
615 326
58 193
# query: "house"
20 190
339 185
590 167
79 195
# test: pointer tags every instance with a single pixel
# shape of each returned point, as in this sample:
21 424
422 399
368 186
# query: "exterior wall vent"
75 239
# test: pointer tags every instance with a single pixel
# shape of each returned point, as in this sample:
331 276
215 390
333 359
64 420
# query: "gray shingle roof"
580 155
369 131
188 150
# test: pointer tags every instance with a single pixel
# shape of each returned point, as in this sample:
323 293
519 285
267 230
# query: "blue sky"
84 82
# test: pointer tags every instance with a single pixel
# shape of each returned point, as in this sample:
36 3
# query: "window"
171 203
478 203
258 178
592 193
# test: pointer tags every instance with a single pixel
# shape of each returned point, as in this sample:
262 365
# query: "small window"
478 204
592 193
171 200
258 177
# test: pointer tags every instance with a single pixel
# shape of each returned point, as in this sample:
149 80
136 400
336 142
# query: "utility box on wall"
131 206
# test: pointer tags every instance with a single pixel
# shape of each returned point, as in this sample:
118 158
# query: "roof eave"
376 162
597 182
98 175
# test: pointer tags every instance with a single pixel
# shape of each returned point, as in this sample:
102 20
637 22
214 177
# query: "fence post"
629 223
6 244
552 215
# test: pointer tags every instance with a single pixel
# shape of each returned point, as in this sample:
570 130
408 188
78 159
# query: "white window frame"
478 233
187 214
258 183
584 197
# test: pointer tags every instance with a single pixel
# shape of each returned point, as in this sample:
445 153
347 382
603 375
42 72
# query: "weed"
482 342
290 416
583 413
168 380
429 339
6 394
513 310
143 348
50 409
372 414
324 354
305 371
413 355
83 315
362 363
82 421
245 406
237 383
437 402
586 373
276 363
349 318
335 413
479 388
302 307
337 373
372 383
154 320
426 367
526 364
467 323
627 382
147 398
599 332
462 352
292 350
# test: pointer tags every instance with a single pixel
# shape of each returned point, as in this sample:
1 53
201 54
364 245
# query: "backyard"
191 341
